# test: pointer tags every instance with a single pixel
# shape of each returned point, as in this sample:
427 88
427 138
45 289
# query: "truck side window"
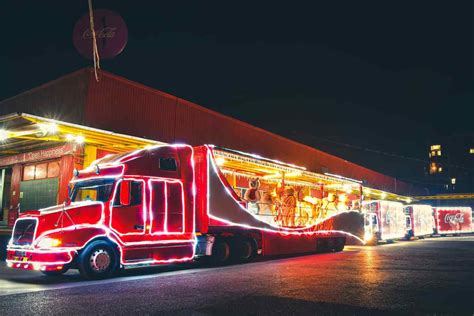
135 192
168 164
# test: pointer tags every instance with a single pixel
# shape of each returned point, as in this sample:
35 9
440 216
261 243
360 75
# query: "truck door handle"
138 226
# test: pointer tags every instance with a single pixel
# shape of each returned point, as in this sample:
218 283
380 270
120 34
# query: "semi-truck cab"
152 206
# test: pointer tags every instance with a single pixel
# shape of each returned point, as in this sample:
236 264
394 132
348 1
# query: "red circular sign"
110 30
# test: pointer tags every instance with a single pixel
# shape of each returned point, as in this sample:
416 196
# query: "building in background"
91 119
451 164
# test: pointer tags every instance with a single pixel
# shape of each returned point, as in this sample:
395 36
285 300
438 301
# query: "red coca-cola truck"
384 221
453 220
158 205
419 220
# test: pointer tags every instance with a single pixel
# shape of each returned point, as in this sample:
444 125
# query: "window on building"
435 147
471 150
440 169
453 180
439 152
433 153
41 171
433 168
29 173
53 169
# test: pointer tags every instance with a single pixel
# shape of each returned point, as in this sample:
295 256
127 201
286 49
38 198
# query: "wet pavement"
431 276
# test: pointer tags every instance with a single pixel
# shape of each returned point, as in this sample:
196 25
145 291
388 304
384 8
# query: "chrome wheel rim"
99 260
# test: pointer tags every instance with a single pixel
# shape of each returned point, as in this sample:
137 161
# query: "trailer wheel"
321 245
340 243
56 272
98 260
245 250
220 251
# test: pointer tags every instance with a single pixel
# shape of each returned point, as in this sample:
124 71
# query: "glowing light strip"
342 178
165 195
258 157
424 211
61 207
117 240
44 263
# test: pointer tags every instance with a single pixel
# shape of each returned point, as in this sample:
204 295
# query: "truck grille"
24 232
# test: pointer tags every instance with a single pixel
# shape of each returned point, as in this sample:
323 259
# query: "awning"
21 132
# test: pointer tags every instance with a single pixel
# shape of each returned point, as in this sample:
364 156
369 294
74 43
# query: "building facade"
35 173
451 164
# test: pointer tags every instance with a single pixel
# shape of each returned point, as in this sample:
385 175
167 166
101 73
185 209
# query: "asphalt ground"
427 277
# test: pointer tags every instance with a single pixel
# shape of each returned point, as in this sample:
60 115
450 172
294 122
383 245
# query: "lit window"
453 180
440 169
439 152
435 147
29 172
53 169
41 171
429 155
433 153
471 150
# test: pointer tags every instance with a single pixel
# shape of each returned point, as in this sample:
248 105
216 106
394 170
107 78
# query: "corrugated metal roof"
122 105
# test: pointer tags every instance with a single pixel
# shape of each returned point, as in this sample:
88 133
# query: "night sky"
348 77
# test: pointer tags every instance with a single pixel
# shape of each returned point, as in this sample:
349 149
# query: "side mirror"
125 192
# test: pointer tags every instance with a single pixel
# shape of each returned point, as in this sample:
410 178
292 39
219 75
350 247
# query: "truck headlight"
48 242
368 236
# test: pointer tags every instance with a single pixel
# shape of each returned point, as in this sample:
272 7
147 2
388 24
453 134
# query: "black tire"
56 272
245 250
321 245
341 242
98 260
220 252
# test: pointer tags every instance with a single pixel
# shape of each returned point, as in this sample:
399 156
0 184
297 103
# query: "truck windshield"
92 190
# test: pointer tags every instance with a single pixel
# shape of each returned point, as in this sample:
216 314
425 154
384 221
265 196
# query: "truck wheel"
245 250
56 272
220 252
98 260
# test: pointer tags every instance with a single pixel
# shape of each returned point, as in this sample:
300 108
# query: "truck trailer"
453 220
419 220
159 205
384 221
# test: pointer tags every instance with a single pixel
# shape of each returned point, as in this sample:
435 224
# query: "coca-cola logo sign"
110 30
106 32
454 218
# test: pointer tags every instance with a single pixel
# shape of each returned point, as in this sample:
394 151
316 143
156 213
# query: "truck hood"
61 207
